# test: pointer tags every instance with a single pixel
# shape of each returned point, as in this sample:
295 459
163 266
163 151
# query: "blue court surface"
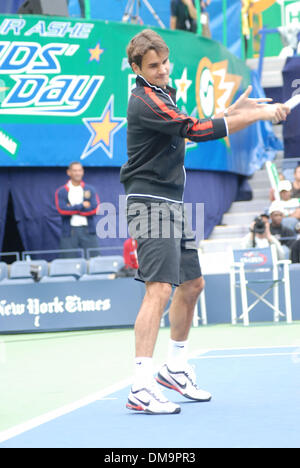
256 403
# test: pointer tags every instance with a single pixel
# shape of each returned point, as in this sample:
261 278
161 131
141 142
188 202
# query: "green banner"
65 85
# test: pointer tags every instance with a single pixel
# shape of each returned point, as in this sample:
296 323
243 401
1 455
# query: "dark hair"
74 163
259 228
142 43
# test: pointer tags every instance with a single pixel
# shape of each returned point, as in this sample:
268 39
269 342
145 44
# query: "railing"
10 254
50 255
56 253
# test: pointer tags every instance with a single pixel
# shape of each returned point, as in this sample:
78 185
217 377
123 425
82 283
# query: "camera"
35 271
259 225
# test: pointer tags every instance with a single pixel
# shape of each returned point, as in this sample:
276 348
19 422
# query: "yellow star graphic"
95 53
103 130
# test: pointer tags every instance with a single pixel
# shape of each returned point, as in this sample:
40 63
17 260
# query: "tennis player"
154 180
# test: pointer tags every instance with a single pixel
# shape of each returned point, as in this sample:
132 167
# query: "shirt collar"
169 91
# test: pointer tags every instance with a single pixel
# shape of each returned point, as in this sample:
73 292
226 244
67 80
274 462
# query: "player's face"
155 68
76 173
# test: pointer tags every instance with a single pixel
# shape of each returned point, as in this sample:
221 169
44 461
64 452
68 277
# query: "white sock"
143 372
177 355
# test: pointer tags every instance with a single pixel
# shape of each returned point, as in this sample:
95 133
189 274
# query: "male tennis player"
154 177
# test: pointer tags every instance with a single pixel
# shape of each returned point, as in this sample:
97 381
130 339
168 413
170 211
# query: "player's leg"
183 306
148 320
158 269
145 394
177 374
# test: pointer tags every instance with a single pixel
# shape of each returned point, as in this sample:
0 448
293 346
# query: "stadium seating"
23 272
103 267
3 271
68 269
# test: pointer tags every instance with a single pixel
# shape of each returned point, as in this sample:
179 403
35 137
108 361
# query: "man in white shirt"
77 203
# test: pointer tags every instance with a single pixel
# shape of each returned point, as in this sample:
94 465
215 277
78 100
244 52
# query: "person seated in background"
130 259
260 236
130 254
296 184
290 205
295 253
285 235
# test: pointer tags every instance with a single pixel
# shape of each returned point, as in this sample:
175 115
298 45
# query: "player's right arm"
246 111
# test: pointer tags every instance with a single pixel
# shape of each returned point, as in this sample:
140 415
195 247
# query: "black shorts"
166 247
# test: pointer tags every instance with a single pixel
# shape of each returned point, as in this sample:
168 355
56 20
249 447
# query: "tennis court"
70 390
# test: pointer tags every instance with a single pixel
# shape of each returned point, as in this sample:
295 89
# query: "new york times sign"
62 306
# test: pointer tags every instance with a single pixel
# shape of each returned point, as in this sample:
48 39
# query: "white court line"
39 420
103 394
223 356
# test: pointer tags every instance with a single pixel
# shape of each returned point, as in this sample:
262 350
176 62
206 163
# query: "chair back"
256 259
107 264
22 269
68 266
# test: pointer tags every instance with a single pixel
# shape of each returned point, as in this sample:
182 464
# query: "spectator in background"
77 203
295 254
296 184
130 254
290 205
285 235
184 16
130 259
260 236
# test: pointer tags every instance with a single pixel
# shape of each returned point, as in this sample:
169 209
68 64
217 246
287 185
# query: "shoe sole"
132 406
162 381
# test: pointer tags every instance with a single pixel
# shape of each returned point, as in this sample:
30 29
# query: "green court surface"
44 372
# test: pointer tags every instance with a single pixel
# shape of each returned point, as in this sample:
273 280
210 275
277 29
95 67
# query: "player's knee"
197 286
160 291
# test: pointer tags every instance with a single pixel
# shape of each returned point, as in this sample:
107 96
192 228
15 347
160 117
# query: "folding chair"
245 263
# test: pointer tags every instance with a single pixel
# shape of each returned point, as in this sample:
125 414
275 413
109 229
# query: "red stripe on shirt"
163 106
202 126
62 212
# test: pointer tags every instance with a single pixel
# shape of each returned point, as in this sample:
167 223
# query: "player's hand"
261 106
276 112
86 204
246 103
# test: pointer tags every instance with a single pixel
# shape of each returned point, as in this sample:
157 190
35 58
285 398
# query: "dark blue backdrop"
291 128
39 224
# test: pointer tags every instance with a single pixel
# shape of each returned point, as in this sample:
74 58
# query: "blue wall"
67 298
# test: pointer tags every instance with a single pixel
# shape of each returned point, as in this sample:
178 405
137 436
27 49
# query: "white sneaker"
151 400
183 382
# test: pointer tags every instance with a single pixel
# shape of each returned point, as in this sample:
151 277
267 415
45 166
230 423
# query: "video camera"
259 226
